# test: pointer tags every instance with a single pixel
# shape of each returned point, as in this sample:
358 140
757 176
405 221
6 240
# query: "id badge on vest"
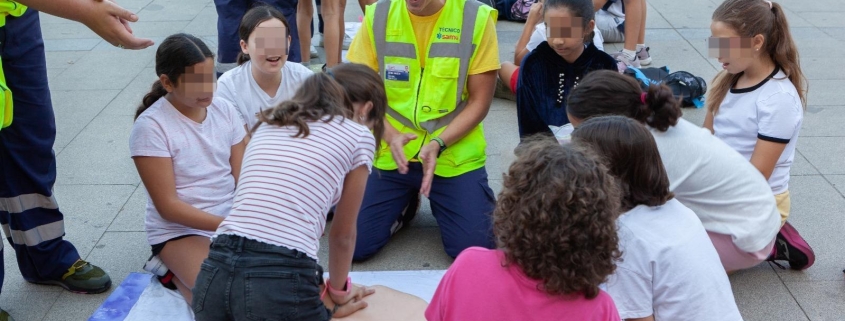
397 72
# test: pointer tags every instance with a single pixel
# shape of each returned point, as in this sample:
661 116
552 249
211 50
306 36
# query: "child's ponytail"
173 56
156 92
663 108
784 52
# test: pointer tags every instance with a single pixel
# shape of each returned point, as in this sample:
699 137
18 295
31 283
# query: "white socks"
629 54
640 46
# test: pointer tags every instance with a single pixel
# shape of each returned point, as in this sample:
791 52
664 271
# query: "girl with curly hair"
556 238
669 269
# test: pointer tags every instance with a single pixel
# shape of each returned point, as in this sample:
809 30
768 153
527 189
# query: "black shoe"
408 214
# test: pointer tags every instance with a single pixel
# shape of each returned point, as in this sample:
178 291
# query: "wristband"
441 143
333 291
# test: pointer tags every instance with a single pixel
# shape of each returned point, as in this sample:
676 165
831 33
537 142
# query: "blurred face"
195 87
268 46
422 7
734 52
565 33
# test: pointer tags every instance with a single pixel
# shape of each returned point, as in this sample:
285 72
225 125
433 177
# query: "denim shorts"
244 279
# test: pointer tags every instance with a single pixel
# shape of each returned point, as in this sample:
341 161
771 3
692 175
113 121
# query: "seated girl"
264 78
550 71
187 146
533 34
556 238
306 155
669 269
729 195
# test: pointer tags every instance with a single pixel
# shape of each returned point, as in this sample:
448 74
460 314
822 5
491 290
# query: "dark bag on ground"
689 88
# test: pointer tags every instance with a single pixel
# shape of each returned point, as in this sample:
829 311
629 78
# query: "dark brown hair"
750 18
174 54
319 98
631 154
254 17
555 218
362 84
605 92
579 8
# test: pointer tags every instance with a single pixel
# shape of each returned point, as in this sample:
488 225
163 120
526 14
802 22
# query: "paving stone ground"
96 88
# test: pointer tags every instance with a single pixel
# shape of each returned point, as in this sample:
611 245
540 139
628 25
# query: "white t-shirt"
239 87
288 184
539 36
770 111
728 194
200 154
669 268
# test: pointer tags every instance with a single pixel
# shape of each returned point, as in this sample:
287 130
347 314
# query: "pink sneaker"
791 247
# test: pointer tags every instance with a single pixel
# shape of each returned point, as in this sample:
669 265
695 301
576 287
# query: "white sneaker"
314 53
643 56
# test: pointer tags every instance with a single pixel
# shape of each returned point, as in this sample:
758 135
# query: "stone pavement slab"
97 87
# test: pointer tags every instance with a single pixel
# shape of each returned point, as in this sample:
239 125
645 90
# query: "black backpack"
686 86
689 87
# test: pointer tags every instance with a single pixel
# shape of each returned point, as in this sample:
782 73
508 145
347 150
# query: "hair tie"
643 97
770 4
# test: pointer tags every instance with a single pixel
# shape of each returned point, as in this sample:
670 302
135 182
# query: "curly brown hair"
556 218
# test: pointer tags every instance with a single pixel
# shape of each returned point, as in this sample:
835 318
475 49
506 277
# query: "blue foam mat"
120 302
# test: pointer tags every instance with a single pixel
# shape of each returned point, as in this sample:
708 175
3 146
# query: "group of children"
640 216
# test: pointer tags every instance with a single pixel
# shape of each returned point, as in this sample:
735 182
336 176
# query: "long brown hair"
630 152
750 18
319 98
363 84
556 218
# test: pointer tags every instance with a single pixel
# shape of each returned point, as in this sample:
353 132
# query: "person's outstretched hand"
397 150
428 157
355 301
111 22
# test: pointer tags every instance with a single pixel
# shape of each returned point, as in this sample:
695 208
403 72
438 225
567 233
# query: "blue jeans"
244 279
27 163
462 206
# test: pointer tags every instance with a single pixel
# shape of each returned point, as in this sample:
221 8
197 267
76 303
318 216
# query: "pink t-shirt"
478 287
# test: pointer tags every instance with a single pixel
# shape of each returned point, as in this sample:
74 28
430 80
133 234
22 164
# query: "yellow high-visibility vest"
7 8
424 102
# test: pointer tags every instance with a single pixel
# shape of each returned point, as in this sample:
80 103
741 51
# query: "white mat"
159 303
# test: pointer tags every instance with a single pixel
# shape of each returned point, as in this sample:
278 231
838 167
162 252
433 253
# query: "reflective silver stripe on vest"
462 50
21 203
36 235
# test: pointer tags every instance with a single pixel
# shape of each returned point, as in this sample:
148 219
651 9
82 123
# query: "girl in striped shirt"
305 156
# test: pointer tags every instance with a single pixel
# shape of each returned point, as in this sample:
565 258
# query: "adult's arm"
157 175
107 19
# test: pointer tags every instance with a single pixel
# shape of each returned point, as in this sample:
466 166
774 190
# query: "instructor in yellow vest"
438 60
29 214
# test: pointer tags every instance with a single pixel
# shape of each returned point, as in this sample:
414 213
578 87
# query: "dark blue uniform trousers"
462 206
229 14
29 214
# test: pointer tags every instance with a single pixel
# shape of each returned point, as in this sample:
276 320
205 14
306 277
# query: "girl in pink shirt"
556 237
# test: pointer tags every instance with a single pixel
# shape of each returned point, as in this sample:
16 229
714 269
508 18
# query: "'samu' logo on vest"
448 33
